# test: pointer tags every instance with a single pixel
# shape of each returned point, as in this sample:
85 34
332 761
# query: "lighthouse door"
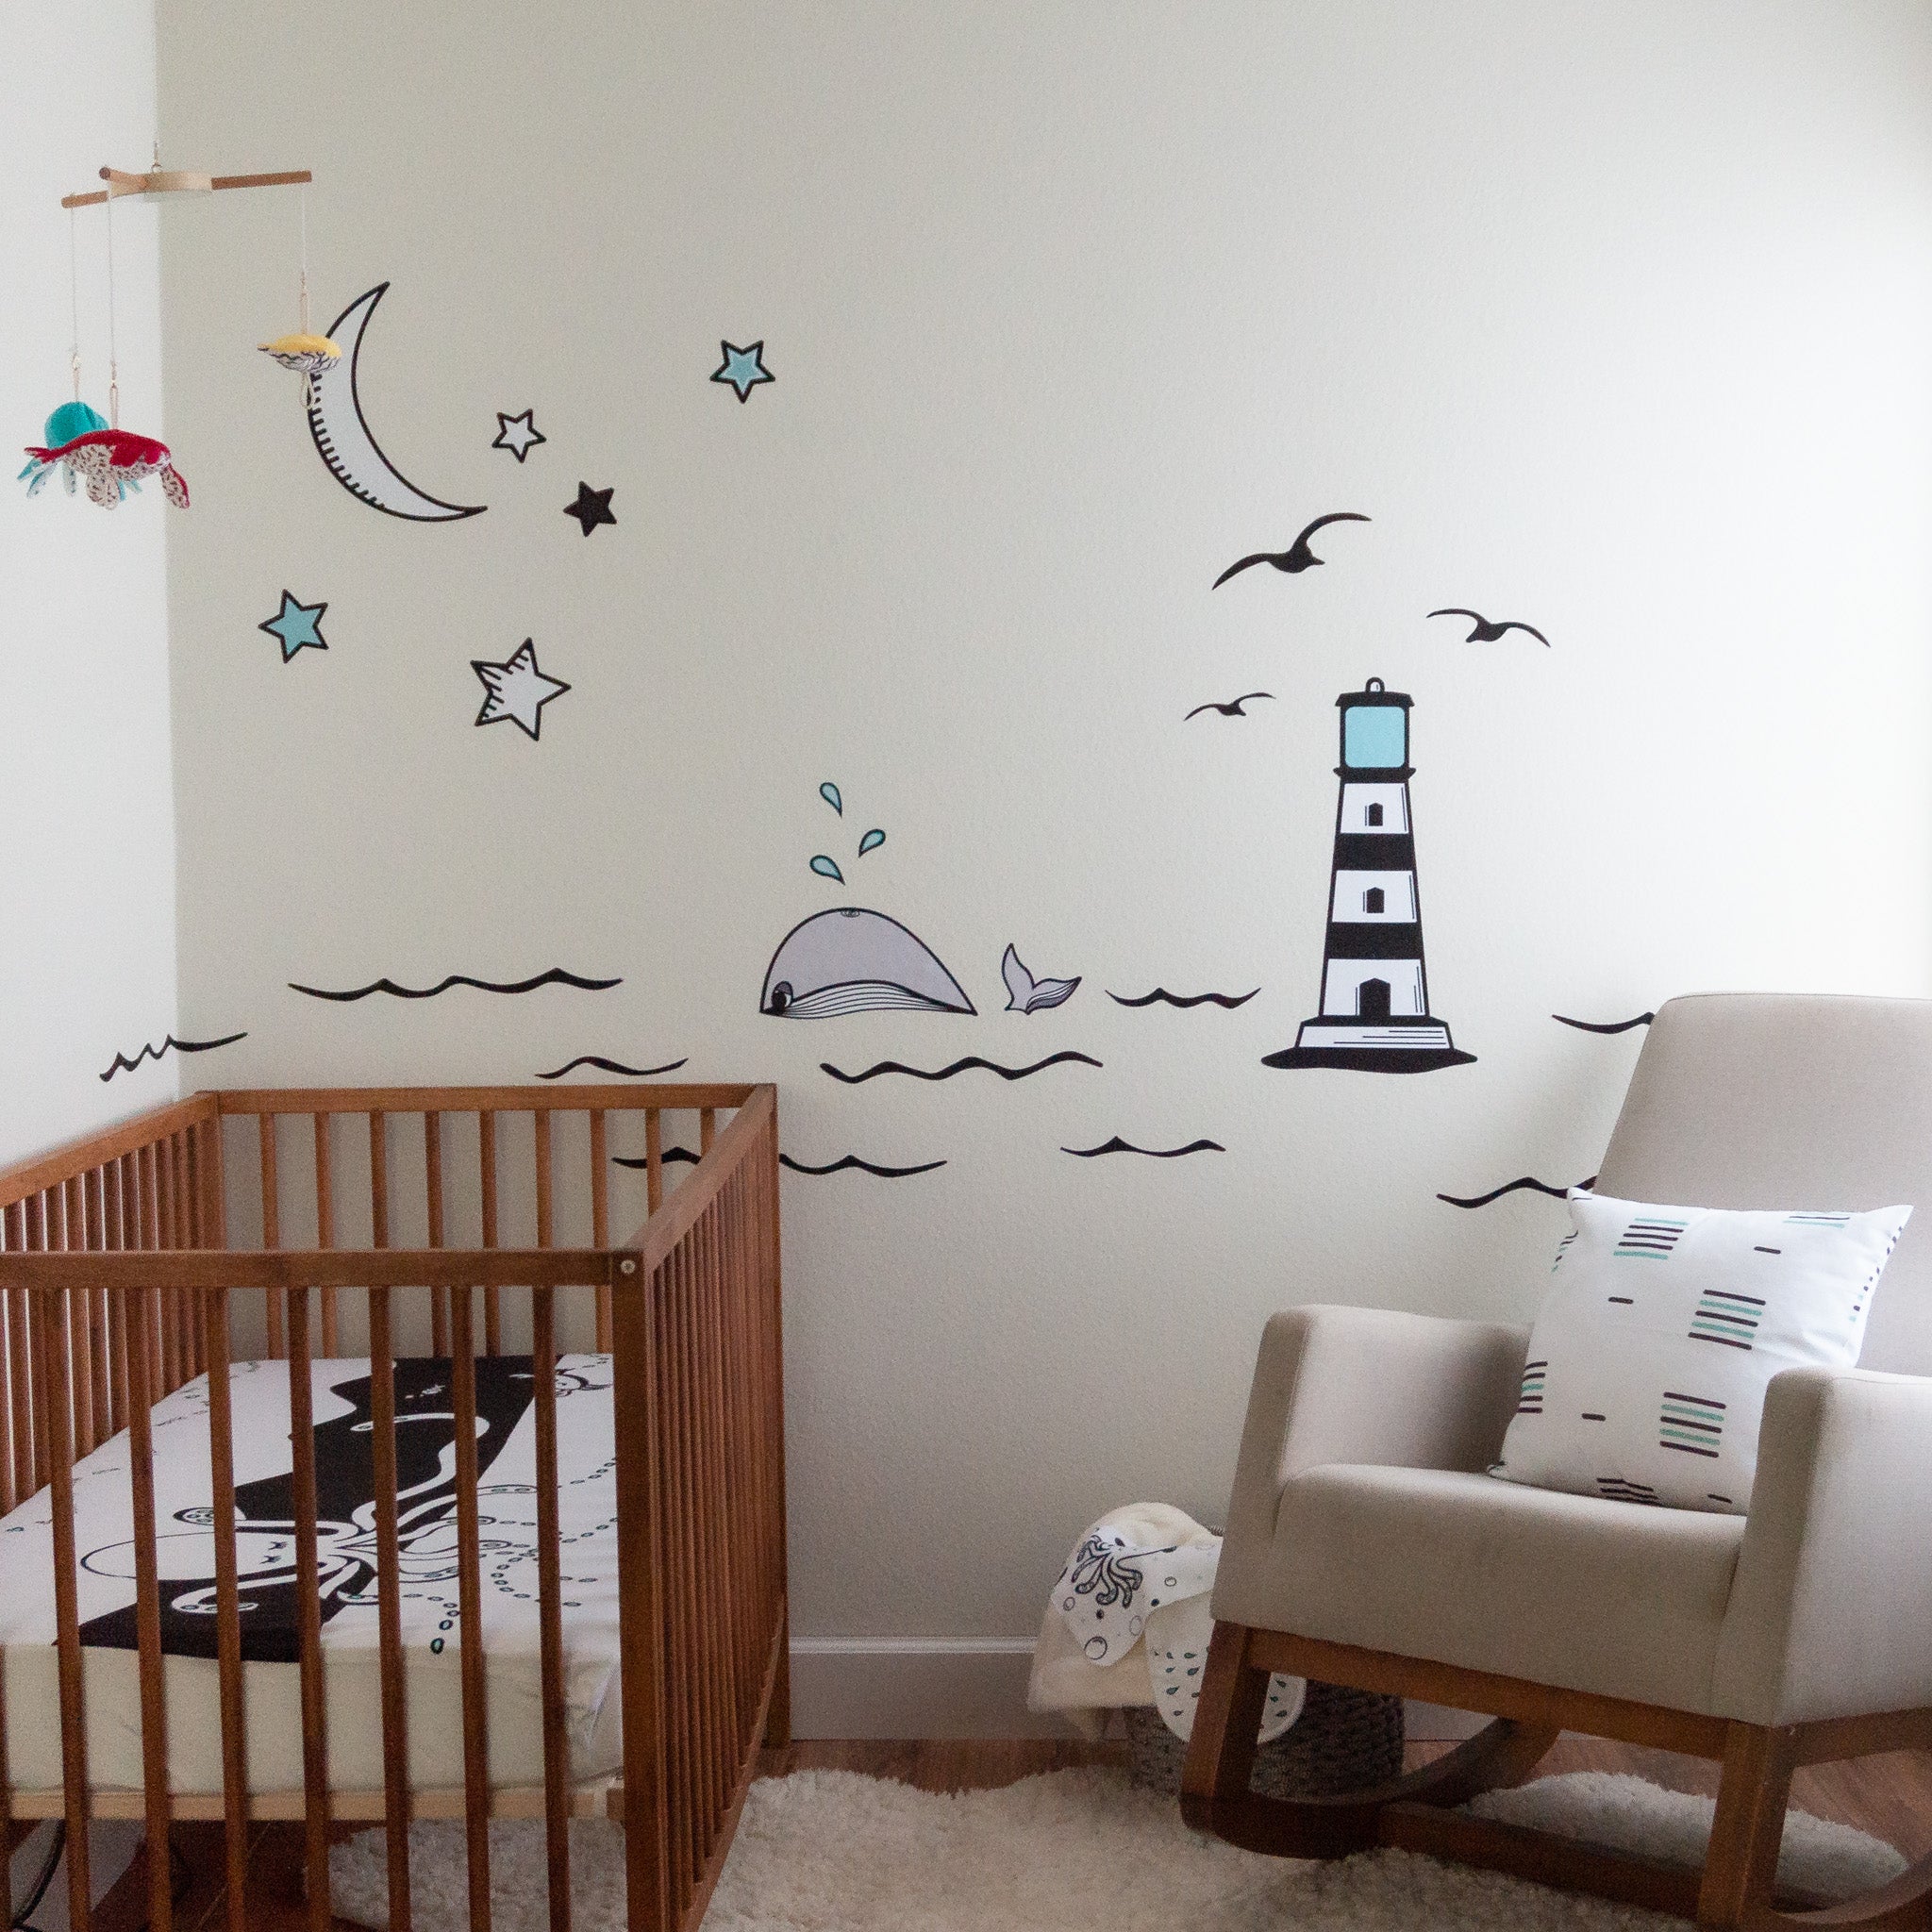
1372 999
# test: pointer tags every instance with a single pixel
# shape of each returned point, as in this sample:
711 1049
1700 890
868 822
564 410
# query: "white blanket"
1139 1578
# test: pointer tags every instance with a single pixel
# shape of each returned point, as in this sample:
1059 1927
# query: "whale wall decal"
849 960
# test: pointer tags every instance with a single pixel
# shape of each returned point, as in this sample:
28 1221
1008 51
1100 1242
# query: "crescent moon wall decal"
346 443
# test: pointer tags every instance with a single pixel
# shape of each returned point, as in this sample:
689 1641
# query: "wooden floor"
1890 1797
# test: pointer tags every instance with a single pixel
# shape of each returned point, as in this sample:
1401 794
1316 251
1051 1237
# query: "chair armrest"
1830 1610
1370 1385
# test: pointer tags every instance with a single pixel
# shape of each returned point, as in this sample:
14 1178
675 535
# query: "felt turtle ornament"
109 462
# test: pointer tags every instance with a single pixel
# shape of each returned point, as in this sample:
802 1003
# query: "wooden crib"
121 1278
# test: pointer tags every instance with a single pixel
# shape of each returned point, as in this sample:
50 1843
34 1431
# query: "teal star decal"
297 625
743 369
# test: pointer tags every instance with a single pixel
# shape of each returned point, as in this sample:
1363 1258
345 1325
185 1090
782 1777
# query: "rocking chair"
1366 1546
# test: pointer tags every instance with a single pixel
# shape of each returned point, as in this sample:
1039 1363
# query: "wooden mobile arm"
159 180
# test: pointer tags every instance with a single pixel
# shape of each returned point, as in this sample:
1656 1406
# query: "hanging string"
113 361
305 259
73 303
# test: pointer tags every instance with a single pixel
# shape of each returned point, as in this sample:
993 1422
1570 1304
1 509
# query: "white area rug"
1077 1851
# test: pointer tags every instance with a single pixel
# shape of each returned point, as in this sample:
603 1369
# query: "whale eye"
781 996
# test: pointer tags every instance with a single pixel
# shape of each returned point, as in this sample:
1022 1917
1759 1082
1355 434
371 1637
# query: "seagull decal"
1297 556
1233 707
1486 632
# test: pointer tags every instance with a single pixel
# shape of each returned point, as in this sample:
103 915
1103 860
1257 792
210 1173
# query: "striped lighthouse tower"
1375 1016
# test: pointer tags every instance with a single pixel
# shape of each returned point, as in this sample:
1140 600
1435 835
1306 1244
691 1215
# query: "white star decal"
517 689
518 434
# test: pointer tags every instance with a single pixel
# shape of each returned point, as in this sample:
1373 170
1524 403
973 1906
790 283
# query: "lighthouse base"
1372 1046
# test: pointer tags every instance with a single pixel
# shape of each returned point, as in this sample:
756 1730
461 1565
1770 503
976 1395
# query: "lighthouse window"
1371 815
1372 899
1375 737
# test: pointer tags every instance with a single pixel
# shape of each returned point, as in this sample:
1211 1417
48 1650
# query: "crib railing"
115 1292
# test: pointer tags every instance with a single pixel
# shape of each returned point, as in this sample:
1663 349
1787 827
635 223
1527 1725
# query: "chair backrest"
1794 1100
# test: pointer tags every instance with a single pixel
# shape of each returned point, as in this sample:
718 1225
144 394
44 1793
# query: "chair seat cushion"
1564 1590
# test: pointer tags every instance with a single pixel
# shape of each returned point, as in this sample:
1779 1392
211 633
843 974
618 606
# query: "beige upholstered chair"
1366 1546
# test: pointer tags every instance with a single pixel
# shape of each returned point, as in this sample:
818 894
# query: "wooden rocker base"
1417 1813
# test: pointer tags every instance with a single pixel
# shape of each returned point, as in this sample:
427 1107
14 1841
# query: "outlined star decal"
297 625
516 690
591 508
743 369
518 434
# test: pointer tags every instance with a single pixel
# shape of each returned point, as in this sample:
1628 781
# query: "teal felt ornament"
71 420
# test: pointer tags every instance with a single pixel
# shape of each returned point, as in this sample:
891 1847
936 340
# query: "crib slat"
266 1125
654 1160
493 1297
19 1408
51 1362
73 1304
93 1205
649 1896
221 1425
708 1128
550 1580
147 1614
388 1603
470 1613
546 1233
717 1503
600 1217
325 1225
379 1178
432 1173
113 1177
705 1527
680 1523
315 1808
37 1243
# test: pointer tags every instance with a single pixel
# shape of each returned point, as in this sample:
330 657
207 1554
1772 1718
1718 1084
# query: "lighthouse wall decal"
1374 1015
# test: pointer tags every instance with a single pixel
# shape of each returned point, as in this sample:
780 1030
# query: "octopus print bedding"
265 1541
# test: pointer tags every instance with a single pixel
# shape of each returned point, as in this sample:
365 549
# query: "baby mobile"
94 450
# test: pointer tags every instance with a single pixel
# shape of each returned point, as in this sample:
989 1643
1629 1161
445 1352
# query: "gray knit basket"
1344 1741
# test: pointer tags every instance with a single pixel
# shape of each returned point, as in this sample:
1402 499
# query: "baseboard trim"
946 1686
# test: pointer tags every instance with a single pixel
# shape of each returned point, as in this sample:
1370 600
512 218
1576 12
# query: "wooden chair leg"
1221 1753
1221 1760
1753 1790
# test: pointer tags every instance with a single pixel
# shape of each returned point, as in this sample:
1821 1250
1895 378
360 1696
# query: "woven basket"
1344 1741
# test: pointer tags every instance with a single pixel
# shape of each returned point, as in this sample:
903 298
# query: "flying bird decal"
1487 632
1297 556
1233 707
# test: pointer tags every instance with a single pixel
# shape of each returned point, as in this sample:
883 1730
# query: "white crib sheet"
507 1500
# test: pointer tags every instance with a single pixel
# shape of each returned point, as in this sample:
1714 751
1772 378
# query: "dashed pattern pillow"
1650 1358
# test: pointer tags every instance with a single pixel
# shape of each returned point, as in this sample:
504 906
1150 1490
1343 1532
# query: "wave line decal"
1160 993
642 1160
556 977
852 1160
597 1059
1053 1060
1524 1180
1603 1025
1119 1146
151 1052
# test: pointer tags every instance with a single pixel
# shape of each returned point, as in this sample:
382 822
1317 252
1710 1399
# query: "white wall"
1612 319
87 933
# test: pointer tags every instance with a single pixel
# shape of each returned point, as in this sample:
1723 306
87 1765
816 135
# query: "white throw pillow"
1650 1355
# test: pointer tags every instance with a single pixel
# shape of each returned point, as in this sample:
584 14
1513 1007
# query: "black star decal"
591 508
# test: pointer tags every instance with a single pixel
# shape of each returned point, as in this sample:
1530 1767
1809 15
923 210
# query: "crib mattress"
431 1626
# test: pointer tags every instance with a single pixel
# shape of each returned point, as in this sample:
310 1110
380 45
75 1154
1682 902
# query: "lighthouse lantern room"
1375 1016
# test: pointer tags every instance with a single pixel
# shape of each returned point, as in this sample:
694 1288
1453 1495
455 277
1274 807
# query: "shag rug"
1078 1851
